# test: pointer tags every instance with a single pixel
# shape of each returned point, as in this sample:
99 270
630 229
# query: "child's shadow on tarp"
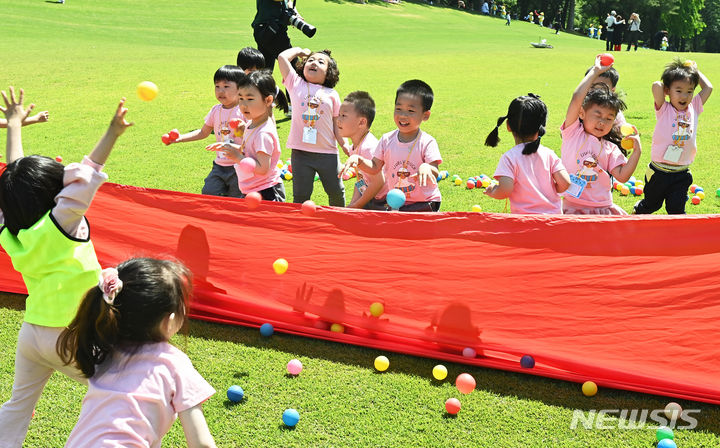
452 330
332 311
193 249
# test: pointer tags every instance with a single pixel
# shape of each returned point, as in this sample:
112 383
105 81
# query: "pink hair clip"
110 284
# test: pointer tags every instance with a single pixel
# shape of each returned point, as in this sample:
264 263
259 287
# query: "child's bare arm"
581 91
369 166
15 114
623 172
562 180
376 182
198 134
501 190
428 172
705 87
197 433
288 55
118 124
658 91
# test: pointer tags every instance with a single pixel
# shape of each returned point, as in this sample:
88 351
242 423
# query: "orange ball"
465 383
253 200
695 200
308 208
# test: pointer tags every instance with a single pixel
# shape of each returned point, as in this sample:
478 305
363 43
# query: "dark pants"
305 164
379 204
609 34
633 39
660 186
222 181
271 39
276 193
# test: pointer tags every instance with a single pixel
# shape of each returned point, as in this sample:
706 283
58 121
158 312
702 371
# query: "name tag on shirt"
673 153
577 186
309 135
361 186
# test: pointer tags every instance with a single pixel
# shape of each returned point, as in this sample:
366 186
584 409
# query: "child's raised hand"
490 189
118 123
13 109
350 163
424 174
41 117
232 151
599 67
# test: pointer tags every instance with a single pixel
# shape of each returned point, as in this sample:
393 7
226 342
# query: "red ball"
452 406
253 200
308 208
696 200
59 159
290 168
465 383
638 191
606 59
470 184
166 139
234 123
174 134
693 187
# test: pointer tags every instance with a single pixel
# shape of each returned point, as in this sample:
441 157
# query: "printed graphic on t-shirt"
682 134
402 175
589 170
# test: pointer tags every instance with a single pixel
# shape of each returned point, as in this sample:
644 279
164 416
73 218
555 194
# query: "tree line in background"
691 25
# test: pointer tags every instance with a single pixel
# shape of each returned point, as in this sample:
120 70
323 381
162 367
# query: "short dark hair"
679 70
601 95
250 57
28 187
151 290
417 88
332 75
261 80
610 74
231 73
364 105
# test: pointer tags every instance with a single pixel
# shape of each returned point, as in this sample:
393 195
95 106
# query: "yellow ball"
280 164
589 388
485 182
280 266
627 143
337 328
700 194
476 208
147 91
376 309
626 130
458 181
288 176
439 372
382 363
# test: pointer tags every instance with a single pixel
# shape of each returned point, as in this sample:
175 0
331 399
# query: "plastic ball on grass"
266 330
476 208
147 91
458 181
699 189
673 410
695 200
469 352
294 367
470 184
439 372
308 208
288 176
639 191
465 383
235 393
527 362
717 192
700 194
663 433
666 443
253 200
693 187
381 363
290 417
589 388
625 190
280 266
452 406
377 309
485 182
632 190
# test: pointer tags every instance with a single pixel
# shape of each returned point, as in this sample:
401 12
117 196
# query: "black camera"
294 19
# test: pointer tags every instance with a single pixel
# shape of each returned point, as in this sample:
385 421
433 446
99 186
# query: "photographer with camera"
270 28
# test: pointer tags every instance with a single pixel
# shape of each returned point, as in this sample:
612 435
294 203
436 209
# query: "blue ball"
439 178
266 330
395 198
235 393
527 362
698 190
291 417
666 443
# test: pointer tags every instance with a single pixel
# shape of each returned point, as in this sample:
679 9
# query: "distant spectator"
493 7
664 44
485 8
618 33
610 22
633 30
461 4
556 25
541 18
592 30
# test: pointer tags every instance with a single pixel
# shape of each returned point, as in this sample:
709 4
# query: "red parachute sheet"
628 302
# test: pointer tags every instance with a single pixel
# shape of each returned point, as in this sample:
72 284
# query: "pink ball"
452 406
308 208
465 383
469 352
294 367
470 184
247 165
253 200
59 159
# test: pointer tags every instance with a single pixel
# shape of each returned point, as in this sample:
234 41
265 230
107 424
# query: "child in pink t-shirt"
314 134
257 155
357 113
408 156
590 149
138 382
529 174
227 122
668 176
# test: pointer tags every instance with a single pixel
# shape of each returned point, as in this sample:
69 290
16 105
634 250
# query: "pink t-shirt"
133 399
533 186
620 118
367 150
401 162
314 106
264 139
219 119
592 159
678 128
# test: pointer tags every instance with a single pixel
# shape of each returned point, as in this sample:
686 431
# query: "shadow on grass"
12 301
530 387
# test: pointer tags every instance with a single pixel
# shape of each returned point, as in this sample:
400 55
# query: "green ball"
664 432
718 192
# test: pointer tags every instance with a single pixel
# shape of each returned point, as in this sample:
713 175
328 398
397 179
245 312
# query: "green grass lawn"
77 59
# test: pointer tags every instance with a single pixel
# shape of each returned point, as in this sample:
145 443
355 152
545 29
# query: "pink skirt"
574 209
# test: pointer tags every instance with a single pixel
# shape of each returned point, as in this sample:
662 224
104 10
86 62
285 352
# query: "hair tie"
110 284
690 63
532 95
